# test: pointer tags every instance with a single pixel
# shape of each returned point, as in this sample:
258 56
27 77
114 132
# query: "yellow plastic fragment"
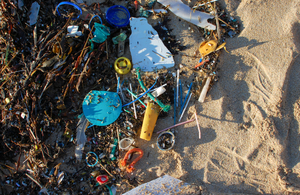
149 122
207 47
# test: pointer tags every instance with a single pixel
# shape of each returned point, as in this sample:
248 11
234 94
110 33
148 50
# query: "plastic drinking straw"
174 106
185 107
135 116
136 97
141 95
118 86
190 87
177 91
181 94
178 124
198 126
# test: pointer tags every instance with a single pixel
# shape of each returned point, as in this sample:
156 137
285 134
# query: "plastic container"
165 140
126 143
117 16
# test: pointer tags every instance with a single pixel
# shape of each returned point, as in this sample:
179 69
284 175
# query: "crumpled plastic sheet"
80 137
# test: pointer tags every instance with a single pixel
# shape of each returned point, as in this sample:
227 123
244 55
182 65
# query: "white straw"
135 116
177 88
198 125
187 103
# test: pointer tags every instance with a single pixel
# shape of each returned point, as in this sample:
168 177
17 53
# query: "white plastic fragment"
159 11
147 49
158 91
34 13
185 12
204 90
80 137
73 31
162 185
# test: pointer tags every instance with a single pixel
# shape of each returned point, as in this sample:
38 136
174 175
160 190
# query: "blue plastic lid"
118 16
102 108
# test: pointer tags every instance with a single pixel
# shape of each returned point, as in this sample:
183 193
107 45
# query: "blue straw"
118 87
174 105
181 94
141 95
188 93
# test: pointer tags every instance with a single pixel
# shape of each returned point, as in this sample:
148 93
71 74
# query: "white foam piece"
160 186
147 48
185 12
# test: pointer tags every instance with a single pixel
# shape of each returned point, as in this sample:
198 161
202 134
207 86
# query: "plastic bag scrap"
101 33
121 37
80 137
34 13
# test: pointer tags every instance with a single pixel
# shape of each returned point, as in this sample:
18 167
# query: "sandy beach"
250 118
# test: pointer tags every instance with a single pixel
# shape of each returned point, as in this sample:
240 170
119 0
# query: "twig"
35 181
106 170
217 22
227 24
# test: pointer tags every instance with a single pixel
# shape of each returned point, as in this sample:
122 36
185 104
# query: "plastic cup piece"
165 141
126 143
117 16
122 65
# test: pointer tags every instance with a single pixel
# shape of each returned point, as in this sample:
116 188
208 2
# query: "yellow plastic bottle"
149 122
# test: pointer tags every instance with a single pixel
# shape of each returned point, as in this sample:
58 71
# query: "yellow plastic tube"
149 122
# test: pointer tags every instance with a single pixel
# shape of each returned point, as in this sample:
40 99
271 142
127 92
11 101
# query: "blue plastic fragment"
92 20
101 33
102 108
117 16
72 4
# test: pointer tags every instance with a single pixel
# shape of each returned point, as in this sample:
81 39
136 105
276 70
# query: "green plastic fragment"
144 13
101 33
121 37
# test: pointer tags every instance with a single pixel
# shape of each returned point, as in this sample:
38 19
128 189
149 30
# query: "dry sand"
250 119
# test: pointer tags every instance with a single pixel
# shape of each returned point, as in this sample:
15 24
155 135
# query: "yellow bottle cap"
122 65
